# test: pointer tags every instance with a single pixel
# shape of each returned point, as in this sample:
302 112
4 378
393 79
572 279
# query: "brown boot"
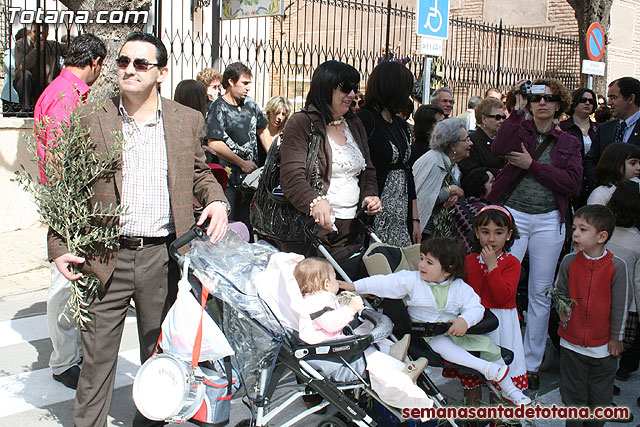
414 368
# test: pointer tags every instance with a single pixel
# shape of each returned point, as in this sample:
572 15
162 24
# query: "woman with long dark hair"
424 119
388 90
347 175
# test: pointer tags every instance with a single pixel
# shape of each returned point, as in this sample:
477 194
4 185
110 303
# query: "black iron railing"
283 51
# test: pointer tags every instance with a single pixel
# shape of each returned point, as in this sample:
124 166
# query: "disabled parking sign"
432 18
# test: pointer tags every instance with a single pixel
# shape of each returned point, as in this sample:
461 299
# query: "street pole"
590 82
426 85
387 47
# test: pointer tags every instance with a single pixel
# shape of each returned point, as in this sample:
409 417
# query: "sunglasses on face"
548 97
139 64
497 116
589 100
358 103
348 87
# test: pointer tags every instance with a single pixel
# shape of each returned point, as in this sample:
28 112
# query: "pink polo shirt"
56 103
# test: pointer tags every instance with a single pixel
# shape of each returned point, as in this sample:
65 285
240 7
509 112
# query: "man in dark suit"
159 176
624 101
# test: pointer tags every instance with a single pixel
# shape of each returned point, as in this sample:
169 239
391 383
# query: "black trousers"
586 381
630 359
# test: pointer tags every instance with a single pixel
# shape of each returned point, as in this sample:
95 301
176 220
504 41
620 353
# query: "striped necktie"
622 126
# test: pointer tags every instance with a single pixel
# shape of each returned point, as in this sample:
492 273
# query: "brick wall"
624 40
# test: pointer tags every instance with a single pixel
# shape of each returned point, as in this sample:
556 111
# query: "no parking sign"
595 42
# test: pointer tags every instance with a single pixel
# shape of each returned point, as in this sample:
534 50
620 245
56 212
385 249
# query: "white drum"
168 389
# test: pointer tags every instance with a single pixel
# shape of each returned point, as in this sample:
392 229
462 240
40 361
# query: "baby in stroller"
437 293
391 378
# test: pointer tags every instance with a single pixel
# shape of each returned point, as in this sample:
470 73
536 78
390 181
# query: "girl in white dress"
494 275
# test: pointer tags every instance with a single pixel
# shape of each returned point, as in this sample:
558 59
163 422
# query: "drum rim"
182 410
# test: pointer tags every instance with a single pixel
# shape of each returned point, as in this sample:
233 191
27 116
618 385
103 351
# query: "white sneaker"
516 396
496 372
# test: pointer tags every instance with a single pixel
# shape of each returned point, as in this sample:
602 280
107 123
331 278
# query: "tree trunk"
588 12
113 36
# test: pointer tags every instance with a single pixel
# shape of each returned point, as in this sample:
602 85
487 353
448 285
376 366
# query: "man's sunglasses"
548 97
589 100
497 116
348 87
358 103
139 64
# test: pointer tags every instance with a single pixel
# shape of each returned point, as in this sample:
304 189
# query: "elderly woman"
348 178
489 116
436 175
212 81
580 125
388 89
544 168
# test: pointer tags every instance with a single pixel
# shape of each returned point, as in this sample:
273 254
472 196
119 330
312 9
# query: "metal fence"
33 55
283 51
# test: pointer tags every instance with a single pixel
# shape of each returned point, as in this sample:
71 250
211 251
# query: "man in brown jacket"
162 170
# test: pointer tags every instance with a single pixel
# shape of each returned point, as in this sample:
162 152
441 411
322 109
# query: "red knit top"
498 288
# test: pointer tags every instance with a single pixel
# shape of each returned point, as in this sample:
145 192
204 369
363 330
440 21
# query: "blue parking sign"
433 18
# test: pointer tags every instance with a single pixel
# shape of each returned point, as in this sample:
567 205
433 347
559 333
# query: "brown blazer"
188 175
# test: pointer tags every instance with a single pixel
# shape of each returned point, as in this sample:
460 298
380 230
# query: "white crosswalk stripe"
20 392
16 331
33 390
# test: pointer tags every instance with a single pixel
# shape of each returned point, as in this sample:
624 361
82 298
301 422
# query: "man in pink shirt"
71 88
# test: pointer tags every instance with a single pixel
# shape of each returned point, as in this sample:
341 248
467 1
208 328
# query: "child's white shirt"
462 301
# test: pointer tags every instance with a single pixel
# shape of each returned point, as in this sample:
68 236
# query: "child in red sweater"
592 297
494 274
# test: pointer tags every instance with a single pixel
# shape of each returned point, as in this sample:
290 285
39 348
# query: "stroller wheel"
244 423
332 422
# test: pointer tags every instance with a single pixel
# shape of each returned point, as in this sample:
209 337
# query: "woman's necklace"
337 122
583 125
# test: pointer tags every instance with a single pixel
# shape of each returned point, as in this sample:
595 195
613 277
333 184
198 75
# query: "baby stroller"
269 356
385 259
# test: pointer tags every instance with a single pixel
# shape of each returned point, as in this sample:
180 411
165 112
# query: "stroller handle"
383 325
183 240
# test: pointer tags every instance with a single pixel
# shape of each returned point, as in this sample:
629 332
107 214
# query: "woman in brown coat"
348 178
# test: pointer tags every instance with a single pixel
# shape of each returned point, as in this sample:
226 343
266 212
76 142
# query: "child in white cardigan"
436 293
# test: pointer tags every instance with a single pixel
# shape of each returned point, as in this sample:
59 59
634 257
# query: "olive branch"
71 168
561 303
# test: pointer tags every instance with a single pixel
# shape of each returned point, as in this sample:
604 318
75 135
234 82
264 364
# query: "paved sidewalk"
24 269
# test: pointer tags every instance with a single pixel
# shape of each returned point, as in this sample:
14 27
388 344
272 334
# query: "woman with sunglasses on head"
579 124
348 178
489 116
543 169
388 90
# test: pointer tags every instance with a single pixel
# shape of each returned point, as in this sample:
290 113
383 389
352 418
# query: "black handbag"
272 215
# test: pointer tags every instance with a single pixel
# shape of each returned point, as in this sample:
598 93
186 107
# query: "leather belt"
140 242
